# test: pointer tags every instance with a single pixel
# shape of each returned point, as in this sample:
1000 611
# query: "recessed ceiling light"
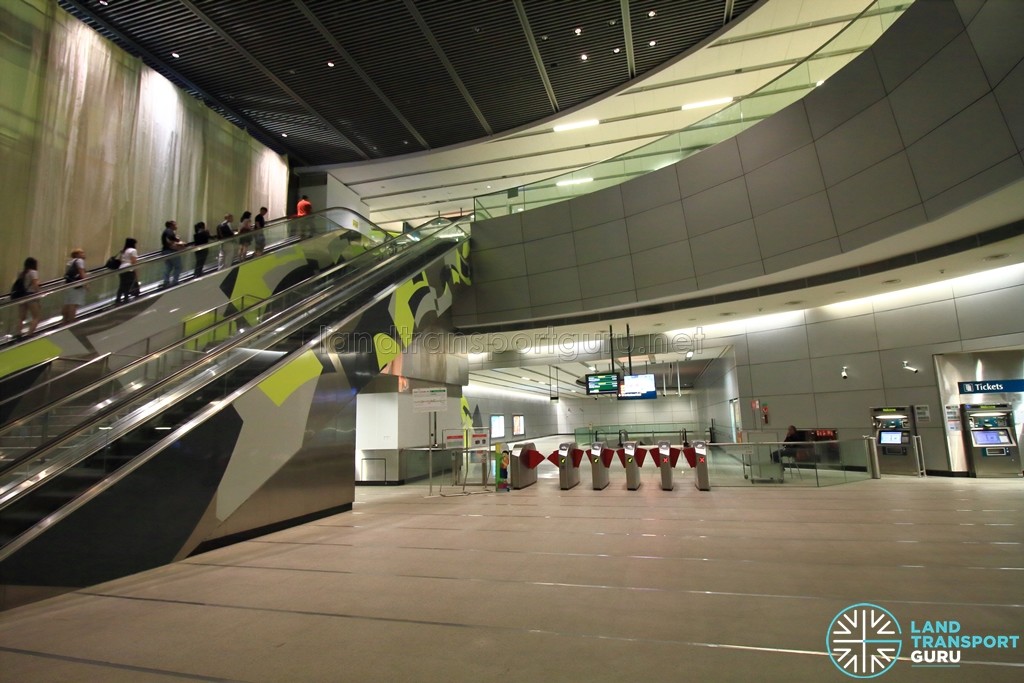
175 55
616 50
652 14
488 187
996 257
543 37
653 43
578 31
330 64
706 103
894 281
103 2
583 57
519 209
284 135
526 378
573 181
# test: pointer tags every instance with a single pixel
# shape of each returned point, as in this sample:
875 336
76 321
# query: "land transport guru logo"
865 641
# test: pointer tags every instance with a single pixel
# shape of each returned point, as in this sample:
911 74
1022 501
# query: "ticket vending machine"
895 429
990 440
569 456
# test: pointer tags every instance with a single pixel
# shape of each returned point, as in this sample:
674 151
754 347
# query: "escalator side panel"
140 522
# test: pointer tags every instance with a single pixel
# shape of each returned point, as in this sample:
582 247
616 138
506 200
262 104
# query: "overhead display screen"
603 383
638 386
890 437
995 437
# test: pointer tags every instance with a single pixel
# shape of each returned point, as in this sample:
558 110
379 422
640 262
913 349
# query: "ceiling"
359 80
430 103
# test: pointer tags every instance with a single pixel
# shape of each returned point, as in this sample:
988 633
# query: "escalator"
296 249
256 433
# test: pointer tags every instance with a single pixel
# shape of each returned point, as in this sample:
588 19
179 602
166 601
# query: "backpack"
72 274
18 288
114 262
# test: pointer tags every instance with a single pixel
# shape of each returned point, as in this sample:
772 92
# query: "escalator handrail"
35 387
332 272
92 274
362 284
195 420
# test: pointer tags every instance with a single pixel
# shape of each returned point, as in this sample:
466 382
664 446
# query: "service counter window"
497 426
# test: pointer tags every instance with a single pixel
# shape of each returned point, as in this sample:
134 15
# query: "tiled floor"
548 585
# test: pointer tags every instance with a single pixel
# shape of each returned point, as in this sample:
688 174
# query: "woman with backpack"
75 296
26 285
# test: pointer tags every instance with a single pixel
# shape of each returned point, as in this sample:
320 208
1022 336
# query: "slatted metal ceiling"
263 63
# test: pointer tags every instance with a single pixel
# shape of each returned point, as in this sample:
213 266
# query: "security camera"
843 374
907 366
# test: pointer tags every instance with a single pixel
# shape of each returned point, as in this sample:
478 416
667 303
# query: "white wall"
545 417
793 362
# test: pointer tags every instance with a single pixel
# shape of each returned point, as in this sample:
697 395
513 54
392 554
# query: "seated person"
792 436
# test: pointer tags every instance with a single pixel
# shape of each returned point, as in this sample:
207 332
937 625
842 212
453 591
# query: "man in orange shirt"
304 207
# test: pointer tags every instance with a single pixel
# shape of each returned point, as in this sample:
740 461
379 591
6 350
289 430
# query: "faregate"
632 457
665 457
568 460
600 458
990 440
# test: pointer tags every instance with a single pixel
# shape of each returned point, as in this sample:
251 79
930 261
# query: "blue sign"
992 386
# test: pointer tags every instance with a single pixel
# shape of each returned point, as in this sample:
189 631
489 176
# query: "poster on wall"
497 426
953 418
923 413
518 425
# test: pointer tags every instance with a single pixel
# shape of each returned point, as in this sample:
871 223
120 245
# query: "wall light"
706 103
574 125
689 355
907 366
843 373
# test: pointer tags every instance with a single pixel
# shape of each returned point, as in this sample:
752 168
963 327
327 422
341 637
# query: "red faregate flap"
690 453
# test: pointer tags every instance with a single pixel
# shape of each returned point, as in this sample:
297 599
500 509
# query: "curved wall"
928 120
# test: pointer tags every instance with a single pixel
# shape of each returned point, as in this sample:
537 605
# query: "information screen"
603 383
895 438
638 386
497 426
994 437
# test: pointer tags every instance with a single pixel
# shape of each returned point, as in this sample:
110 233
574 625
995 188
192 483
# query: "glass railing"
101 286
193 377
811 464
812 72
649 433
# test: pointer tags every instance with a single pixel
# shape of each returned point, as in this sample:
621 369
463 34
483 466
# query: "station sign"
992 386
